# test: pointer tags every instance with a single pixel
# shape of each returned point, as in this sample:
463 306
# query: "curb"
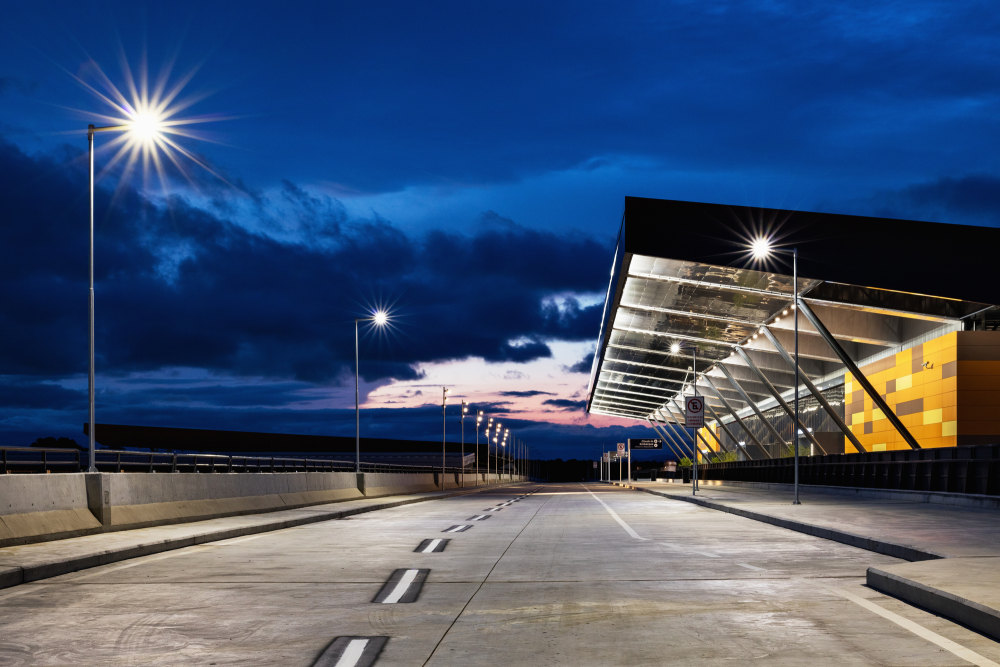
971 614
979 617
900 551
15 575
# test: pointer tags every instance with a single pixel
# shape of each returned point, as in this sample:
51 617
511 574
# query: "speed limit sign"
694 413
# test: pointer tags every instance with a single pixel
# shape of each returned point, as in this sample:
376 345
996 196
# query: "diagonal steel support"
725 428
753 406
694 441
798 426
667 438
858 375
738 419
721 447
834 415
685 447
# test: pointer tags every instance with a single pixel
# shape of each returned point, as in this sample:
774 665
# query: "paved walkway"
41 560
955 549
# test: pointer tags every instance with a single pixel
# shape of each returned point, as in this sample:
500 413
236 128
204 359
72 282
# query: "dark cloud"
585 365
566 404
973 198
525 394
177 286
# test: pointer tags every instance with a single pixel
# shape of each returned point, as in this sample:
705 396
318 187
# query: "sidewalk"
955 549
40 560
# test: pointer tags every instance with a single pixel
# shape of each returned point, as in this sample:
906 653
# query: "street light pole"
795 312
761 248
465 409
444 402
380 318
479 420
148 128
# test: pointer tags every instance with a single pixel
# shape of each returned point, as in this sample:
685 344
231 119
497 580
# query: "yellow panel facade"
945 391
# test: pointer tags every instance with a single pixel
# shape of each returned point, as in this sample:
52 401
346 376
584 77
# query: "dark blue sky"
466 162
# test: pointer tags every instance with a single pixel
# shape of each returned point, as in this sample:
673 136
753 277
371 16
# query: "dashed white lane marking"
479 517
957 649
355 649
614 515
431 546
457 529
351 652
401 591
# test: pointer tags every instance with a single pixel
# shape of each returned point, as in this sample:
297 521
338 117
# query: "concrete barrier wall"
387 483
135 500
44 507
35 507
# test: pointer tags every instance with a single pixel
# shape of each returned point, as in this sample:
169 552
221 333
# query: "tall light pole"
145 128
489 428
465 410
444 402
379 318
762 249
479 421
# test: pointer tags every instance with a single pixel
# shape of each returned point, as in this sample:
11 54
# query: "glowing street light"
761 248
379 318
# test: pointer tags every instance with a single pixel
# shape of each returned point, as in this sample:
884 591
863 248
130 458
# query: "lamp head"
760 247
380 318
145 126
675 347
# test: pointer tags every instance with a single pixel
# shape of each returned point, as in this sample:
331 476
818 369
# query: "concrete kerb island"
962 587
36 508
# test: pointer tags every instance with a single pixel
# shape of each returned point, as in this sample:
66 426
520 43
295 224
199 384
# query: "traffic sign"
694 412
621 449
645 443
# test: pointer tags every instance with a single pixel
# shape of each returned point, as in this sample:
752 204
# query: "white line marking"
352 653
430 547
141 560
962 652
401 587
614 515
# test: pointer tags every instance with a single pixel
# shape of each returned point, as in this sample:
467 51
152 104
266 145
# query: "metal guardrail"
973 469
49 460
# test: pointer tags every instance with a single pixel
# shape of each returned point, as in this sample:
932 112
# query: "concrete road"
568 574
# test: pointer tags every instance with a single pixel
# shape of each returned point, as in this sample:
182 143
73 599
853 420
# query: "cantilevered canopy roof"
683 277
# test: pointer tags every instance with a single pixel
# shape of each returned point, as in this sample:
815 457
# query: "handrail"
46 459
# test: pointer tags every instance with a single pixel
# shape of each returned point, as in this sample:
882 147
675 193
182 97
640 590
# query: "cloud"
526 394
566 404
972 198
177 285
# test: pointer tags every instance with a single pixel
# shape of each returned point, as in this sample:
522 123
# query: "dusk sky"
464 164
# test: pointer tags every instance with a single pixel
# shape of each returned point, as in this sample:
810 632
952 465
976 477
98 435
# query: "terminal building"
896 337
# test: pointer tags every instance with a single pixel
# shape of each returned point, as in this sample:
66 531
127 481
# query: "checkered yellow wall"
945 391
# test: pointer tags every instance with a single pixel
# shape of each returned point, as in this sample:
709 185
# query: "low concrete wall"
36 508
387 483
